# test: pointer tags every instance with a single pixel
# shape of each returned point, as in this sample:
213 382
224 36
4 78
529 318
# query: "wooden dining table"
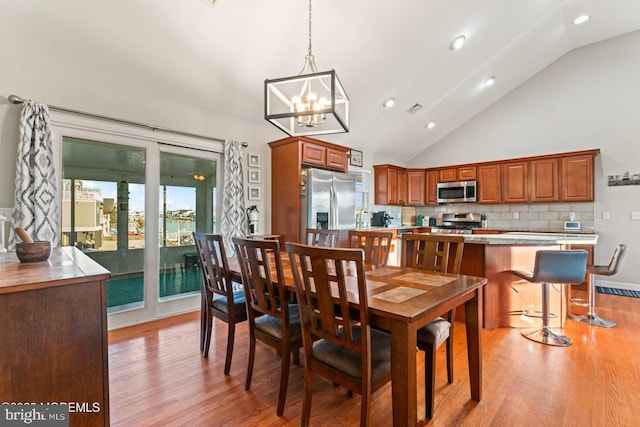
401 300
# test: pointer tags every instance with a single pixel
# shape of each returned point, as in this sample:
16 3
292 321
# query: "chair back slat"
321 277
322 237
433 252
262 275
375 244
213 262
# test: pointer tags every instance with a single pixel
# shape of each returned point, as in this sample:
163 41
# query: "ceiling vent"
415 108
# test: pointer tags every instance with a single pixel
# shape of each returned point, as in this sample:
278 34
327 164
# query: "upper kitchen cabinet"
462 173
514 182
288 157
576 177
415 187
431 187
543 179
489 183
390 185
323 155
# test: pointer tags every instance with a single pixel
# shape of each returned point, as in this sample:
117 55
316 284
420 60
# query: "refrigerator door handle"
333 215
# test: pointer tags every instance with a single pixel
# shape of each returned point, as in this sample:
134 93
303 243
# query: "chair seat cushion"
349 361
273 325
240 307
435 333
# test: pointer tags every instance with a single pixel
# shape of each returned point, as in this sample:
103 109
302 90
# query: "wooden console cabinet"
53 330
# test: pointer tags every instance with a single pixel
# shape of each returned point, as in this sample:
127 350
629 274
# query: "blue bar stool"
553 267
590 317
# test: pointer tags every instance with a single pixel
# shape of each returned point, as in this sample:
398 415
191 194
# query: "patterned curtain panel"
233 215
36 199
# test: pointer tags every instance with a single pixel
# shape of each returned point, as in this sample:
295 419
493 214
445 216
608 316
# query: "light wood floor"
158 377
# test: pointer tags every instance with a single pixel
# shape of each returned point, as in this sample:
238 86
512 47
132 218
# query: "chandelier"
311 103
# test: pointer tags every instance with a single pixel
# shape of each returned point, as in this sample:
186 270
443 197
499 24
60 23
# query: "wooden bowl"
33 252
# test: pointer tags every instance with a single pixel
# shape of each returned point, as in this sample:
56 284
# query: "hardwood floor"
159 377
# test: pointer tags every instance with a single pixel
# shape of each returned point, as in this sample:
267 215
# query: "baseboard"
618 285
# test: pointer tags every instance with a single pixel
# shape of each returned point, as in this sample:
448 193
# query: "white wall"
67 89
590 98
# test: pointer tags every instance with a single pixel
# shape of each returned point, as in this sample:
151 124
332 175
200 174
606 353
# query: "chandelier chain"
310 54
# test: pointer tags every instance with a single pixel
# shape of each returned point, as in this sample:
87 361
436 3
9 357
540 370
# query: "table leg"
473 319
403 374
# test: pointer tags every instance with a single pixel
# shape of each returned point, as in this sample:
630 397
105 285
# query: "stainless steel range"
457 223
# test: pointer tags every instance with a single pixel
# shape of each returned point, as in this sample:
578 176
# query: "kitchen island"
506 297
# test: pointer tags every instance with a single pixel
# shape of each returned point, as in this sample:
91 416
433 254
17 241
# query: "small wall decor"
254 193
356 158
254 176
625 179
253 160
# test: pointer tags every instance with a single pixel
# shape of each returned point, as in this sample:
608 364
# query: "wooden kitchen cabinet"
489 183
447 175
462 173
415 187
431 187
515 182
543 180
390 185
288 157
467 173
317 155
53 319
402 187
576 182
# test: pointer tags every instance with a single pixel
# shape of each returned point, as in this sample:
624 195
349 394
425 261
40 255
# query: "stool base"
545 335
593 320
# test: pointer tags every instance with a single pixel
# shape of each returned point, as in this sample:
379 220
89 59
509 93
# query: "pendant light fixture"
311 103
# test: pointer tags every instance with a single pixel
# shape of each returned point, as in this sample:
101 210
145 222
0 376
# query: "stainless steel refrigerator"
329 201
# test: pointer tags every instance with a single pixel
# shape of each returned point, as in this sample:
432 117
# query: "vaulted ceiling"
215 55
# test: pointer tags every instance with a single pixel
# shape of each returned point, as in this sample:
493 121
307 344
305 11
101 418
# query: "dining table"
401 300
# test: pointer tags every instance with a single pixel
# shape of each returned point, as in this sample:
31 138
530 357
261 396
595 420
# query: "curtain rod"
16 100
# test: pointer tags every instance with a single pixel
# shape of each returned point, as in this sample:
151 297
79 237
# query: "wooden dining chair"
442 253
322 237
279 323
349 352
375 244
218 298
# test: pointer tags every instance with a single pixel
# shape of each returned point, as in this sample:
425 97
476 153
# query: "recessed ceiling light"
431 125
581 19
458 42
389 103
489 82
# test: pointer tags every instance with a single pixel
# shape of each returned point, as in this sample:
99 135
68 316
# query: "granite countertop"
529 238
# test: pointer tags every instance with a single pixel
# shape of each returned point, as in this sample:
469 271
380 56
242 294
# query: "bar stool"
590 317
553 267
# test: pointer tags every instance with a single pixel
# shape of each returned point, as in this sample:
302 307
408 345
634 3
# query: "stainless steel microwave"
457 192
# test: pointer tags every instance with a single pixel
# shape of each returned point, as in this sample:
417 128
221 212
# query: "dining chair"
218 298
553 267
442 253
376 245
279 323
277 237
322 237
348 351
590 317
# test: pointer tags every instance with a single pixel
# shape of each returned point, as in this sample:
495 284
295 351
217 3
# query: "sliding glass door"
122 197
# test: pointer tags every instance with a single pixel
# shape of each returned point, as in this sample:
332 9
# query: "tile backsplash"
535 216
